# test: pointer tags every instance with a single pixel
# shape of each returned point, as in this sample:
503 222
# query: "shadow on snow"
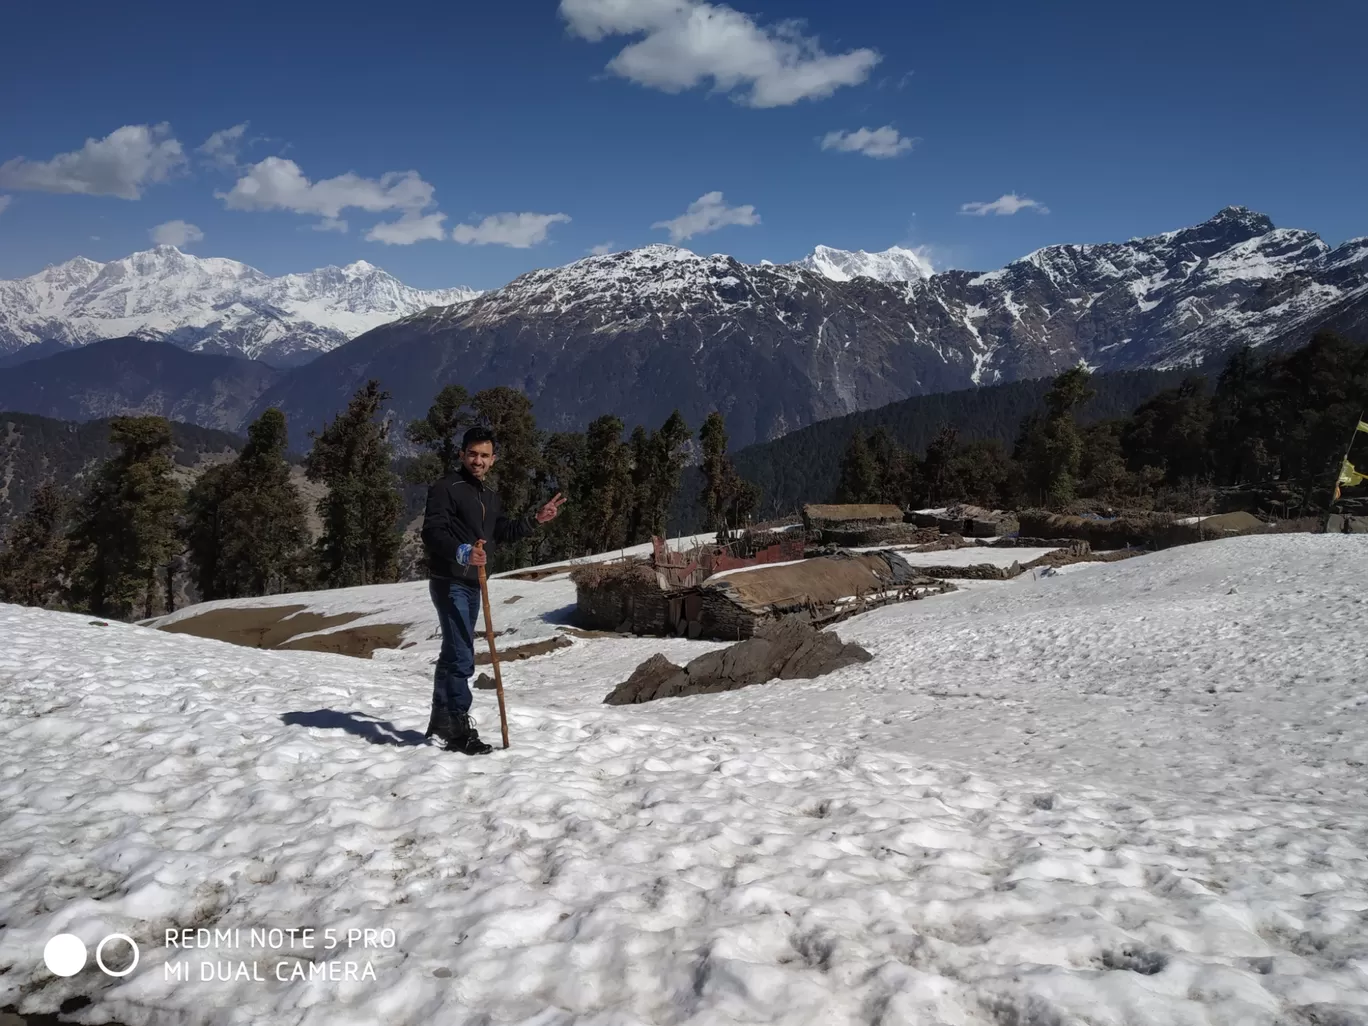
377 732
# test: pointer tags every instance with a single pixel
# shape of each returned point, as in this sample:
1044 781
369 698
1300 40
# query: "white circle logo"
99 954
64 955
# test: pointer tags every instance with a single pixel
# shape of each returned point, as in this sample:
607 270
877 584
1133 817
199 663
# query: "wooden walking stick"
493 652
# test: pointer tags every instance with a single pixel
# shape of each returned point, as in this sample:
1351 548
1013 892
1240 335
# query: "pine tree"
1317 394
601 487
669 453
937 468
126 532
980 472
1103 465
743 498
1240 392
642 453
508 413
561 453
439 433
205 532
360 513
728 499
1170 431
246 529
894 468
1051 446
34 556
859 473
712 439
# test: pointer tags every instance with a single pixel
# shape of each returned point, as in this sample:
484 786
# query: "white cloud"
516 230
4 202
121 164
410 228
688 42
175 233
872 142
221 149
707 214
602 249
330 224
279 184
1005 206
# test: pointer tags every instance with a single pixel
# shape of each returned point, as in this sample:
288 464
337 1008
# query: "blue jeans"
458 606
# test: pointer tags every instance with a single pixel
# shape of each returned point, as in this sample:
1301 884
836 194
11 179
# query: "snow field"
971 555
739 858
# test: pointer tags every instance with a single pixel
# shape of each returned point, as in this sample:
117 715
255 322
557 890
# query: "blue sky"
546 129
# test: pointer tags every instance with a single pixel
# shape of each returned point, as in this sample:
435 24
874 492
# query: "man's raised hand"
548 512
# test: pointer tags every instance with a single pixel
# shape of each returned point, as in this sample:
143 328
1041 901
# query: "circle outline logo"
99 954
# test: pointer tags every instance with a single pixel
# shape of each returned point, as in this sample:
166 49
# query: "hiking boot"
439 724
464 738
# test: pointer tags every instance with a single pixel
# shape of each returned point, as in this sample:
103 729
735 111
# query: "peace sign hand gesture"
548 512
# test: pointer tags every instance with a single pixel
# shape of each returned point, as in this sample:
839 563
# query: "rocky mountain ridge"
776 347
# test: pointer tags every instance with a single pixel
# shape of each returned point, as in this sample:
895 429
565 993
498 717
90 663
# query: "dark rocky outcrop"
788 650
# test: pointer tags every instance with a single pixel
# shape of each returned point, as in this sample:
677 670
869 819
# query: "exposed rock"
819 517
656 678
788 650
975 572
879 534
1131 528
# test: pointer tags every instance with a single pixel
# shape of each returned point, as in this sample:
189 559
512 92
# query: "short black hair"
479 433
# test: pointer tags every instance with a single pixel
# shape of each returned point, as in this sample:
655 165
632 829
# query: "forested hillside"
805 466
34 449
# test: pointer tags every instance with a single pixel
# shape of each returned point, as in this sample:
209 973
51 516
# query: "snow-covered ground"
1133 794
970 555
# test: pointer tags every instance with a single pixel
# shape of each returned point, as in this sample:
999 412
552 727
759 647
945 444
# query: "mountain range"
209 305
138 375
777 347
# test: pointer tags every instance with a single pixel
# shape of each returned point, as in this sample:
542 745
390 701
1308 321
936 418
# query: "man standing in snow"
461 510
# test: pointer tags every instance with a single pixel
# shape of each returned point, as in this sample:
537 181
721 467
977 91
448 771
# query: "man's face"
478 458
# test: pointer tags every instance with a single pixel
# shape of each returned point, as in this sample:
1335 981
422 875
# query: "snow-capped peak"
1243 217
893 264
208 303
659 252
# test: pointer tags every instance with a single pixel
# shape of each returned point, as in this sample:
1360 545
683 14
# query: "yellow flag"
1363 426
1350 476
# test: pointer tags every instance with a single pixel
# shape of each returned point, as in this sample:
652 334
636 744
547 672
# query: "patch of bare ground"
282 627
535 648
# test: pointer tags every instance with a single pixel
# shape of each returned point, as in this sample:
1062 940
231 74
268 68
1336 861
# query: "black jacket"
461 510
